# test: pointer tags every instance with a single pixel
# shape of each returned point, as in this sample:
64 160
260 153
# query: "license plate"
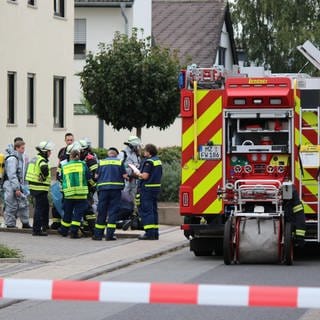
210 152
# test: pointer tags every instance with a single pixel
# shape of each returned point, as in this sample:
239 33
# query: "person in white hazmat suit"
131 155
15 187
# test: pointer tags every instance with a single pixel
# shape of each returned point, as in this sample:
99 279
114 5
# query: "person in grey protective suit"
131 155
15 188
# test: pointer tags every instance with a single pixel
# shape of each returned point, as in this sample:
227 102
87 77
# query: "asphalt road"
182 266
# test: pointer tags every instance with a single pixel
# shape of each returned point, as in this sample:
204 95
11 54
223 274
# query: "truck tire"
288 244
228 249
201 247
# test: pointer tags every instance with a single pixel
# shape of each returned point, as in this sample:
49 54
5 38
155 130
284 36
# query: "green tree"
131 84
269 31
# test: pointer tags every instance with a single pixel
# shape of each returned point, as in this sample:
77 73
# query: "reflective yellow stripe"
150 226
210 180
297 208
56 219
115 162
153 185
206 118
300 232
111 225
110 183
90 217
156 162
76 223
215 207
191 166
100 226
65 224
93 167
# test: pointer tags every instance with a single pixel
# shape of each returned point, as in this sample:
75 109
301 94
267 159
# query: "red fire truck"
247 144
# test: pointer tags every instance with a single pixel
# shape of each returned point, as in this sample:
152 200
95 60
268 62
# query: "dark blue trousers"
41 211
108 205
148 212
73 214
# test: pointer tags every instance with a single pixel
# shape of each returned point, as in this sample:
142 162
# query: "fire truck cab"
249 145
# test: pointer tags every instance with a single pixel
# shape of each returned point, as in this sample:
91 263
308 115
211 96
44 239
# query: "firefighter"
75 176
110 181
39 178
62 158
294 212
14 187
149 188
131 155
91 161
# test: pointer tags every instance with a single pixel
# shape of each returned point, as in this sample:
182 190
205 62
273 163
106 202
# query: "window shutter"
80 31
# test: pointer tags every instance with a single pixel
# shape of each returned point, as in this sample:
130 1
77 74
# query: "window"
80 35
30 98
81 109
58 102
31 2
222 56
11 97
59 8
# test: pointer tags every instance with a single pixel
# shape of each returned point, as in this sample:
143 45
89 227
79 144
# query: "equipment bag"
2 161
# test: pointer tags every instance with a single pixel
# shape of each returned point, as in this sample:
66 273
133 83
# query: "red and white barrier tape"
170 293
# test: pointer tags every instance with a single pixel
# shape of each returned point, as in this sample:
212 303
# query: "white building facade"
36 71
94 24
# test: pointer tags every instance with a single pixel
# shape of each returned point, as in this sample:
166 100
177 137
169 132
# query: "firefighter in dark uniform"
294 212
39 178
63 157
110 181
91 161
75 176
149 188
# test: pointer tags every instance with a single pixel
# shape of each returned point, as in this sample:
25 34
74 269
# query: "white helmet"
74 146
83 144
45 146
133 141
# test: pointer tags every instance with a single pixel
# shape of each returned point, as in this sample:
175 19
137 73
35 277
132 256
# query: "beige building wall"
34 40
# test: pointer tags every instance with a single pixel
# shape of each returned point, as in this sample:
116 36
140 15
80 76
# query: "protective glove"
134 169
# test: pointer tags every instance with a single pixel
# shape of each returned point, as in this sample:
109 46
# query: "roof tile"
191 26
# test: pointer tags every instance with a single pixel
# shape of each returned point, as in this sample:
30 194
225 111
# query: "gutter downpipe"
122 7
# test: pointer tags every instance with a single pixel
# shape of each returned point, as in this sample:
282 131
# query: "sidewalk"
56 257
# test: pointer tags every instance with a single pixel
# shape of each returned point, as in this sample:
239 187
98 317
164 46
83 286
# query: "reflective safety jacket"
38 174
110 174
75 177
153 166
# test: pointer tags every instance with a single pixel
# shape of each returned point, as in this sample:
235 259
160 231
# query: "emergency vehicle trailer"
247 145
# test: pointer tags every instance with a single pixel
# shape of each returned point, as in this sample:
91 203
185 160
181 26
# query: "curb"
55 232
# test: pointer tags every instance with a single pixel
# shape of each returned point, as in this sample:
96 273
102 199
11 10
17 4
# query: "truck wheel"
201 247
288 244
228 250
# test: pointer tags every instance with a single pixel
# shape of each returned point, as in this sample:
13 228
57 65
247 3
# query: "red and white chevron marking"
170 293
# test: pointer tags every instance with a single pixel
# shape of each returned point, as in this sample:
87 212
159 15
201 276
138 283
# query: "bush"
6 252
170 181
170 154
100 152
